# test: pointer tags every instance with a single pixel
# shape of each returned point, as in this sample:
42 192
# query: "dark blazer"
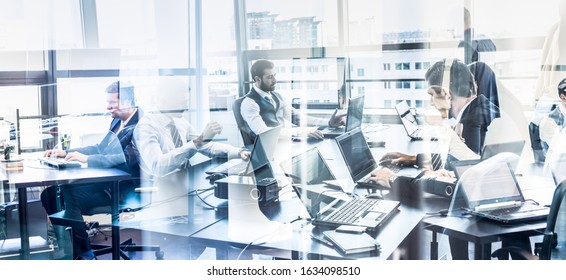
115 150
475 120
487 84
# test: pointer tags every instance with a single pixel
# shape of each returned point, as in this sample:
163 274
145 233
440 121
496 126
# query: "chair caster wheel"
159 255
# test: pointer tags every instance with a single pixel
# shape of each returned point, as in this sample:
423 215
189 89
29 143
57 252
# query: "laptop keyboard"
512 210
351 211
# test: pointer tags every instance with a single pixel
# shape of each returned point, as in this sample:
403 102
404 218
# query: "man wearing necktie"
115 150
264 108
453 93
165 138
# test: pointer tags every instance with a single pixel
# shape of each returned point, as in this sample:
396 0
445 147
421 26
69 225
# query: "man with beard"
263 108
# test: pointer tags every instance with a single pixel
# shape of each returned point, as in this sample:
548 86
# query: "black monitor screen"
308 168
356 153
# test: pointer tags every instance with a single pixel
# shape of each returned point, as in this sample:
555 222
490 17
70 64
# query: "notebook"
59 163
353 118
350 243
333 208
409 121
360 161
491 191
262 152
310 168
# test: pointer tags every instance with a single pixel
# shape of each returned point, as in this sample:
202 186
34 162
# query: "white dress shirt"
158 153
251 113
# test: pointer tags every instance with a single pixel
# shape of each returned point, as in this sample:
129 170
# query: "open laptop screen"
357 154
489 182
407 118
355 113
308 168
264 148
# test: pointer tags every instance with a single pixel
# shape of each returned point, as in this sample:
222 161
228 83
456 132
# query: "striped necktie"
175 136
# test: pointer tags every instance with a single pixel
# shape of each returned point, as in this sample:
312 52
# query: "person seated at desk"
164 138
466 133
474 114
164 141
263 107
114 150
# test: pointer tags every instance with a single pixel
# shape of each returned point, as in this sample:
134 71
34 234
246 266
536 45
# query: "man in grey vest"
263 108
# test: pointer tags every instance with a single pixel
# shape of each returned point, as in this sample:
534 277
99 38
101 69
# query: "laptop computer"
334 208
353 120
409 121
60 163
491 191
515 147
360 160
310 168
261 154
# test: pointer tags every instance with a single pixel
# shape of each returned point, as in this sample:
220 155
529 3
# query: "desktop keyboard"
60 163
351 211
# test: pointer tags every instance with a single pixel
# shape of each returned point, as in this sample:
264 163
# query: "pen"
322 240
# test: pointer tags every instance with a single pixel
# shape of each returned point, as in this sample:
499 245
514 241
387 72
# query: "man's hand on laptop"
336 119
399 159
316 134
444 173
58 153
76 156
245 154
382 176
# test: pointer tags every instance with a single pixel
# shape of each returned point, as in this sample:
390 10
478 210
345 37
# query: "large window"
67 51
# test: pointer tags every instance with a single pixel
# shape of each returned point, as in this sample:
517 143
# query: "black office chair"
132 201
247 135
553 245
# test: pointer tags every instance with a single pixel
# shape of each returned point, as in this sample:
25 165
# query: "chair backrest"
247 135
554 240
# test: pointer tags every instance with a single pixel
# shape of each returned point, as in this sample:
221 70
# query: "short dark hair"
258 68
125 91
562 87
461 79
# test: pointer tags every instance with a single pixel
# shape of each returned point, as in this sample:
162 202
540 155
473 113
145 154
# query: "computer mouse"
376 144
212 178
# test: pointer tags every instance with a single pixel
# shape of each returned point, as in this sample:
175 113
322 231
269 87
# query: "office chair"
553 245
133 201
247 135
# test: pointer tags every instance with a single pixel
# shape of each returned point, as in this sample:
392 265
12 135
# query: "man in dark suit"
115 150
471 113
454 93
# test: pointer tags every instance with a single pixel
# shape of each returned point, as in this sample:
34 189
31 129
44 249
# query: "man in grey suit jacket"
115 150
